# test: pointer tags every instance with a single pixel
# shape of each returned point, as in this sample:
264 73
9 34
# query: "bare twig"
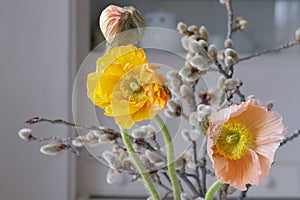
229 19
203 165
266 51
196 166
188 183
290 138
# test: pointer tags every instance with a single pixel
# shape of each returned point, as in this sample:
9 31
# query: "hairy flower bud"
155 158
232 84
78 141
52 149
138 133
203 44
181 27
190 73
194 46
186 91
228 43
229 61
185 42
203 33
25 134
193 29
212 51
112 160
230 52
112 176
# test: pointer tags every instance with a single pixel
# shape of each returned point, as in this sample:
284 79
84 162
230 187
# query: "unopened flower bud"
212 51
112 176
228 43
112 160
229 61
185 42
201 62
154 157
103 138
297 36
114 20
174 105
193 29
181 27
138 133
194 46
92 138
241 23
186 91
78 141
203 44
220 82
232 84
230 52
25 134
52 149
190 73
203 33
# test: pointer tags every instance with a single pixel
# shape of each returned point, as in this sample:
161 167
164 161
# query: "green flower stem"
211 191
139 165
170 157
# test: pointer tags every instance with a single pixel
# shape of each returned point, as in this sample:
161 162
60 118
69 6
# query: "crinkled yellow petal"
122 55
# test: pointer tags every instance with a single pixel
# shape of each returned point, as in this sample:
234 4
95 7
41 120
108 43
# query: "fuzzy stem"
170 157
211 191
139 165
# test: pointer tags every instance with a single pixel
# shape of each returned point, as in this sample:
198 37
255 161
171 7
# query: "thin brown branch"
196 166
267 51
203 165
188 183
229 19
109 131
290 138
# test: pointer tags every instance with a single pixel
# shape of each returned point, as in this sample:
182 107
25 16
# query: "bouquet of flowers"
238 135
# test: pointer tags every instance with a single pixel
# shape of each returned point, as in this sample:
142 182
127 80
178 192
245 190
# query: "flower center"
135 87
234 140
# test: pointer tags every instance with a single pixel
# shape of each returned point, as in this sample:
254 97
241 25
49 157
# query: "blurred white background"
42 43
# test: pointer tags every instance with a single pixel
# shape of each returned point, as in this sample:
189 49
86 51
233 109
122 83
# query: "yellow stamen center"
234 140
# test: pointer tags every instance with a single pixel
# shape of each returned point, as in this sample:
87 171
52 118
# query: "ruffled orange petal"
238 173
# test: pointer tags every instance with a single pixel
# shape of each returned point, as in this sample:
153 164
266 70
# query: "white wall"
34 81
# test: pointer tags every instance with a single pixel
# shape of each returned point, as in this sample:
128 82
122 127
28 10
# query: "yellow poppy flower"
127 86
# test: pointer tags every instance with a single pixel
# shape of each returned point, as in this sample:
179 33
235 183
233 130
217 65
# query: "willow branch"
267 51
290 138
203 154
109 131
196 167
188 183
229 19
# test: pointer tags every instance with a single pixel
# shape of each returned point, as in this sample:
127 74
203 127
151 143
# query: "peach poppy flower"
242 140
127 86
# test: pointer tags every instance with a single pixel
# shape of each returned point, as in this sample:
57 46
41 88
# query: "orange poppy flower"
242 140
126 86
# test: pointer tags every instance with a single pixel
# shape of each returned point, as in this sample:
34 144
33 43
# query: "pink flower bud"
115 20
110 19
